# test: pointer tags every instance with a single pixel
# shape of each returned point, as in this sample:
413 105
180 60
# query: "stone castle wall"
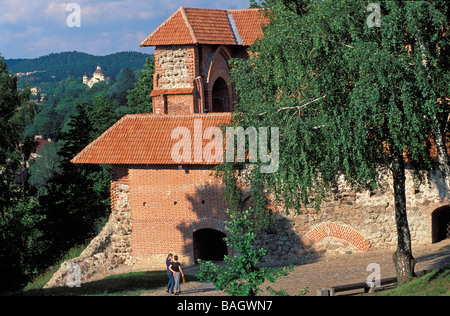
354 222
106 252
348 222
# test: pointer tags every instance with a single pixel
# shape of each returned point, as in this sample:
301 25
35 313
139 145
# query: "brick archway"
207 239
207 222
338 231
440 224
220 97
218 70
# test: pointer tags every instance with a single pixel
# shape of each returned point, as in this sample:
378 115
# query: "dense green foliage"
139 99
242 274
349 99
61 204
17 214
63 65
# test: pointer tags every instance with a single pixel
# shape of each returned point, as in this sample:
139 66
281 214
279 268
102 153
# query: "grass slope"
130 284
436 283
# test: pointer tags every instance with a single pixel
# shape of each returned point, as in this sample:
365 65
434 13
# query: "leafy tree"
21 243
257 3
103 114
350 100
19 214
77 197
242 275
139 99
15 112
125 82
44 166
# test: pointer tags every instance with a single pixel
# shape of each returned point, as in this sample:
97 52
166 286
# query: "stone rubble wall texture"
354 222
142 231
175 66
110 249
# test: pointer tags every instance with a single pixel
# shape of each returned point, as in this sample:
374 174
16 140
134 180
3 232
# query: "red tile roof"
209 26
249 23
146 139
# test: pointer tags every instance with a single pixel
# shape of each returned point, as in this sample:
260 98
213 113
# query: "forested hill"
59 66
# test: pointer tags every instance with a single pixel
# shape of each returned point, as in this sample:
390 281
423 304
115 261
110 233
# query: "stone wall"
174 66
354 222
106 252
168 205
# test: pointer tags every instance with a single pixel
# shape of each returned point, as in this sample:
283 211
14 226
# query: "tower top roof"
209 26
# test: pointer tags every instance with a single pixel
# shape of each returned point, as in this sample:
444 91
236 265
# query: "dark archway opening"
440 224
220 97
209 245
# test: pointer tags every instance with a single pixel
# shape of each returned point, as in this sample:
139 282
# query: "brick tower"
175 206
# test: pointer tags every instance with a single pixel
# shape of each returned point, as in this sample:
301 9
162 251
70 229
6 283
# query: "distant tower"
97 77
98 74
85 78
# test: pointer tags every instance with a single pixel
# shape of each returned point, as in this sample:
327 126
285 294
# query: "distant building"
97 77
35 90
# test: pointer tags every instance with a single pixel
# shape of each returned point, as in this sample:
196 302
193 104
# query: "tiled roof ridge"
185 26
98 139
249 9
225 10
150 115
145 115
188 24
166 22
95 153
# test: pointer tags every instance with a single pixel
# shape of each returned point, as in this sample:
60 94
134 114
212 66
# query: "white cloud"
30 28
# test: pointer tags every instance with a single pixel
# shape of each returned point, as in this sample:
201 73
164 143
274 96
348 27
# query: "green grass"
130 284
436 283
43 278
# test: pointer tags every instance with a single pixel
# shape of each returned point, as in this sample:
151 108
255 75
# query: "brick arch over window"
219 70
338 231
207 222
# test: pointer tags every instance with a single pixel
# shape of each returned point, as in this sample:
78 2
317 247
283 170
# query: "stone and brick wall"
174 67
167 205
109 250
157 209
177 68
354 222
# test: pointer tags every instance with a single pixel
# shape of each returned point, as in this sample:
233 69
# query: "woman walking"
175 268
169 288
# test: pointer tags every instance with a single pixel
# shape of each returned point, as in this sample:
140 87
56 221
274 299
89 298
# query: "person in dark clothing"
171 283
175 267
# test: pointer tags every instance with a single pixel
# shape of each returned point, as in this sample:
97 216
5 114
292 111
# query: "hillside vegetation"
59 66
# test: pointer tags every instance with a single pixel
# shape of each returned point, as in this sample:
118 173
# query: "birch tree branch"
297 107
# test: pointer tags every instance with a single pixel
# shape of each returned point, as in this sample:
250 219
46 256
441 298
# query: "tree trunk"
403 259
443 158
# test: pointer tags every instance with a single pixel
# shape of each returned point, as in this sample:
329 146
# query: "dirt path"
332 271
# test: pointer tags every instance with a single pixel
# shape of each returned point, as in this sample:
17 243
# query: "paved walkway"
332 271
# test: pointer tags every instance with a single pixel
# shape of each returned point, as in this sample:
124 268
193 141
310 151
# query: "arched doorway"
209 245
440 224
220 96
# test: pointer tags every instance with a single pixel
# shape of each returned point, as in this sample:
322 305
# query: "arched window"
209 245
220 96
440 224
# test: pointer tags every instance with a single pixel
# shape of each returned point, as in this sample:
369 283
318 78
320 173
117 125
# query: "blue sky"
33 28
